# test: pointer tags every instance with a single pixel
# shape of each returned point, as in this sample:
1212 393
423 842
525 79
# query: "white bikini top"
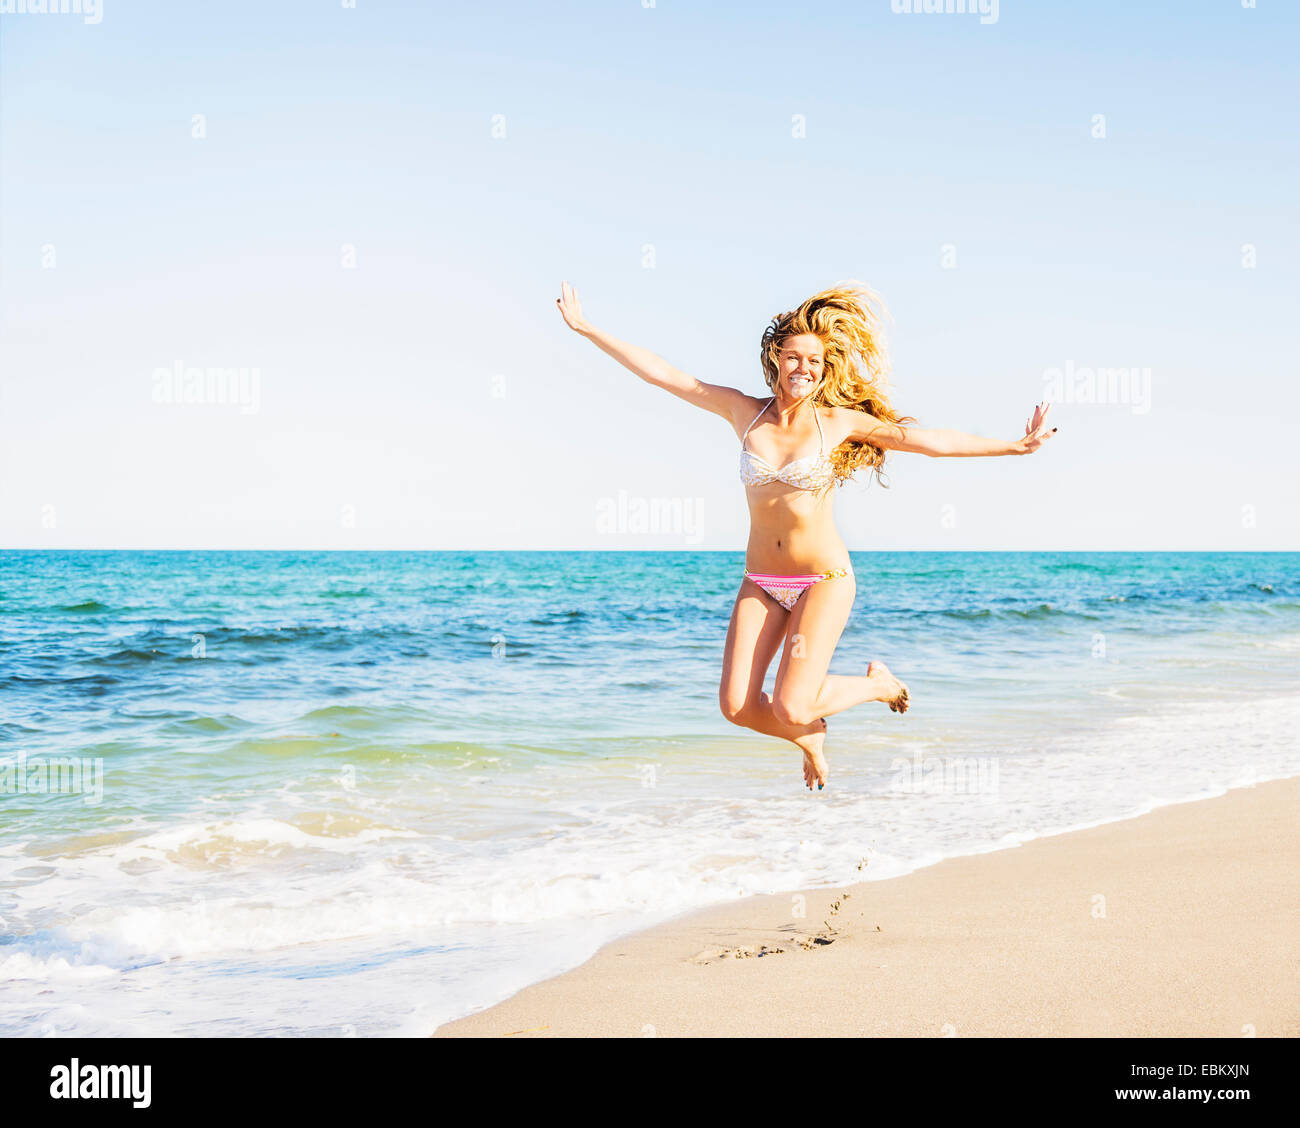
812 473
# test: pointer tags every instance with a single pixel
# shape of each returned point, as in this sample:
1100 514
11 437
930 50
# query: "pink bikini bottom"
786 590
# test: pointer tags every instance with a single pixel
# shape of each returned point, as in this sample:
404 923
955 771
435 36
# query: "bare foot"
892 691
814 763
814 768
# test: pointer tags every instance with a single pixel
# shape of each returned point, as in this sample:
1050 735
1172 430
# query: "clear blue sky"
431 397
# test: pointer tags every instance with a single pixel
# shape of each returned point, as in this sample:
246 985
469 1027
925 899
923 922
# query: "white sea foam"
412 924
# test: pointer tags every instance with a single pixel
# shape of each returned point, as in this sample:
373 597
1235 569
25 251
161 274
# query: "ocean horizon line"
684 549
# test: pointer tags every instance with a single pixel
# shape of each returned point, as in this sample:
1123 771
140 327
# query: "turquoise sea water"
366 793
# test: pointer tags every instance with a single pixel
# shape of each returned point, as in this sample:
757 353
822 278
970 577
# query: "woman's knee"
736 711
791 709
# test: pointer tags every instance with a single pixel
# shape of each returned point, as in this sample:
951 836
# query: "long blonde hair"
855 369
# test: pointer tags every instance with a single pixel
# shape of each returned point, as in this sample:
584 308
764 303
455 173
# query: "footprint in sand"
744 952
754 951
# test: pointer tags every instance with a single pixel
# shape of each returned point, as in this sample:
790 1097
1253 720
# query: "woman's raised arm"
947 444
724 401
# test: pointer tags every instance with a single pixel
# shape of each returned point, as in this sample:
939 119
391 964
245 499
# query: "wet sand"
1183 922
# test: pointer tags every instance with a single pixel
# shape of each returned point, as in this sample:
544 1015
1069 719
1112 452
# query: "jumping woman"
828 416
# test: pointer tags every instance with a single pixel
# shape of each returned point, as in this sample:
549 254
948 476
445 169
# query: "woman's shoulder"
748 409
848 422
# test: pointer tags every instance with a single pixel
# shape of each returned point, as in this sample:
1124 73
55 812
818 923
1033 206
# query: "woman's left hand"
1036 429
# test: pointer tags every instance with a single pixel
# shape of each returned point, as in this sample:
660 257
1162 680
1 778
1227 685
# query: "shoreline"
1176 922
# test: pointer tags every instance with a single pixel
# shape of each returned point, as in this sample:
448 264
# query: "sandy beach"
1182 922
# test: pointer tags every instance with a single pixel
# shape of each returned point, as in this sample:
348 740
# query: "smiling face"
801 361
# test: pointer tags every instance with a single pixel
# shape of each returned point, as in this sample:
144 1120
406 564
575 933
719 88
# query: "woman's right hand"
571 308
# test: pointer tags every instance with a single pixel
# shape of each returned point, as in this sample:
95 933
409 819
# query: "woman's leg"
758 625
804 691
